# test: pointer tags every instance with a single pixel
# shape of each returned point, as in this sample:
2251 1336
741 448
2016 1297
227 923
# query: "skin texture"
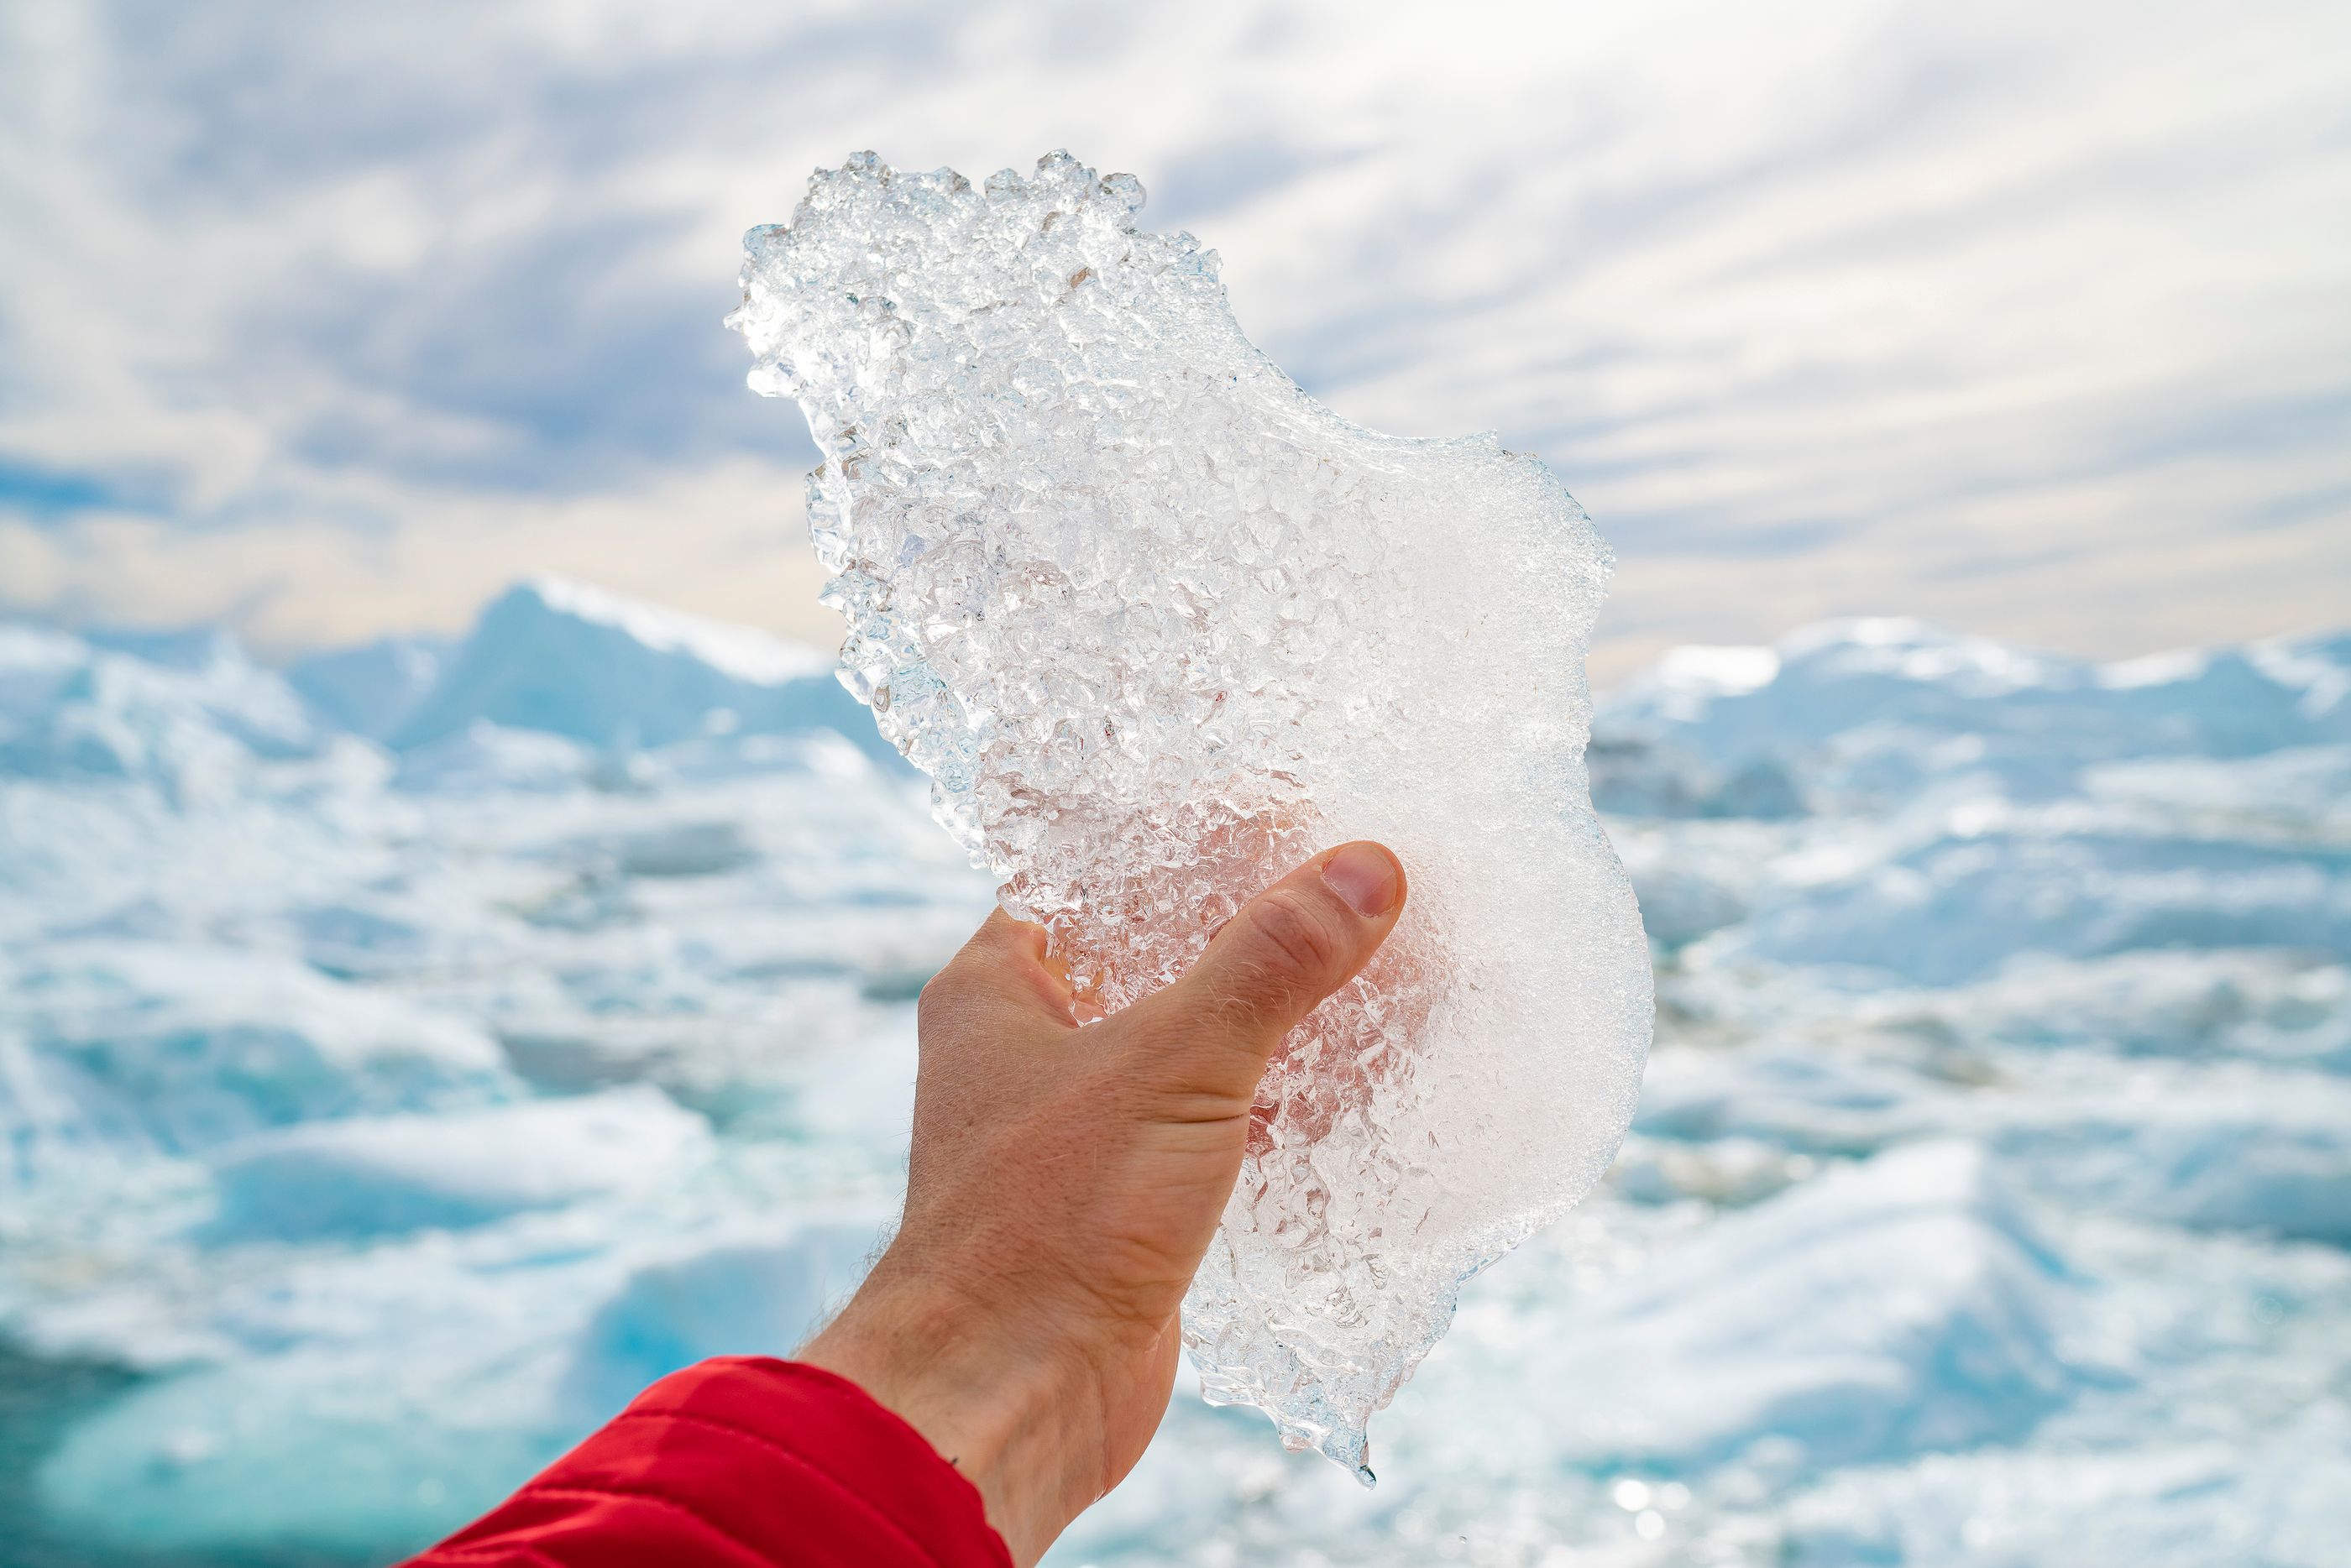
1064 1183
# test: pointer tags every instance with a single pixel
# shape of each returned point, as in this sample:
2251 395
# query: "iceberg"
96 707
1158 625
2221 1146
1894 1306
565 659
116 1048
387 1175
2208 1148
1874 711
753 1295
343 1437
2180 1503
370 689
2279 1008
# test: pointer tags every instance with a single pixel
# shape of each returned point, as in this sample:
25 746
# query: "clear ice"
1159 626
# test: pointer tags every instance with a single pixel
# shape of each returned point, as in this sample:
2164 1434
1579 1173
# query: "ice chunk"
380 1394
111 1048
488 759
1158 625
2217 1147
381 1175
2176 1502
755 1295
187 710
1888 1308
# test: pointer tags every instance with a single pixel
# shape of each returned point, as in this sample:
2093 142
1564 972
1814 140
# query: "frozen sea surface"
1988 1202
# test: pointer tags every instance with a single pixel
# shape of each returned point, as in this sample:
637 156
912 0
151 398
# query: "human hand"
1064 1183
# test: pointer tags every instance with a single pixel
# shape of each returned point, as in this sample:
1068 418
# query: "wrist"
1006 1409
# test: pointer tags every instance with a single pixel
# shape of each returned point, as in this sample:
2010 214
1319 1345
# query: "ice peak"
567 659
739 651
1912 649
1892 705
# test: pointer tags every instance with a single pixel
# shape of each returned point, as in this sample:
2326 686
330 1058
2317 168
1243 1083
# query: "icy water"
402 1063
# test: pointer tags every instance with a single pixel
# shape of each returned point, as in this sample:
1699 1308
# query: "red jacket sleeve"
740 1462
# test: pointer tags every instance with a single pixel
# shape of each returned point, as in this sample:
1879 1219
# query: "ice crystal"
1159 626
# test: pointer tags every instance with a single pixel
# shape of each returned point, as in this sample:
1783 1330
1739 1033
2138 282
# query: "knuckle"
941 996
1293 944
1197 1067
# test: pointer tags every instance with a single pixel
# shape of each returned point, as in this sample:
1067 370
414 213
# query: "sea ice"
113 1048
1158 625
249 933
1893 1306
363 1176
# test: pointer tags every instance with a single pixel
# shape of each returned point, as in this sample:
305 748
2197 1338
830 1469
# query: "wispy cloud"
2027 316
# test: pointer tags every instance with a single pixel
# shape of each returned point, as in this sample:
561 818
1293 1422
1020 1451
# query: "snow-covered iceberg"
387 1175
565 659
1874 709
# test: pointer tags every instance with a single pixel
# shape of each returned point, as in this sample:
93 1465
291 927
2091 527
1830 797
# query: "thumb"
1272 964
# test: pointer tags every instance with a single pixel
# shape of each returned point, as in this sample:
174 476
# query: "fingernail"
1366 876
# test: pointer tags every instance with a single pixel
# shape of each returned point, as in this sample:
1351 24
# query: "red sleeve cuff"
740 1462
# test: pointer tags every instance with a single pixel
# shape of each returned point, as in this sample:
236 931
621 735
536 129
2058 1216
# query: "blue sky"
328 320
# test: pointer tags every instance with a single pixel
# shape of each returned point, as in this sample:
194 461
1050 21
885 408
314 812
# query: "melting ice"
1158 625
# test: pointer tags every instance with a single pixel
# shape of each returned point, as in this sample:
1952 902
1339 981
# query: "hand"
1064 1184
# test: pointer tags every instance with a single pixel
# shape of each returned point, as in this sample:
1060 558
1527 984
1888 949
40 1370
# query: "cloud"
2020 315
729 540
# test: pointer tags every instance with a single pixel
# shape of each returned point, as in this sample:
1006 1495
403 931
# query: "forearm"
1022 1421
